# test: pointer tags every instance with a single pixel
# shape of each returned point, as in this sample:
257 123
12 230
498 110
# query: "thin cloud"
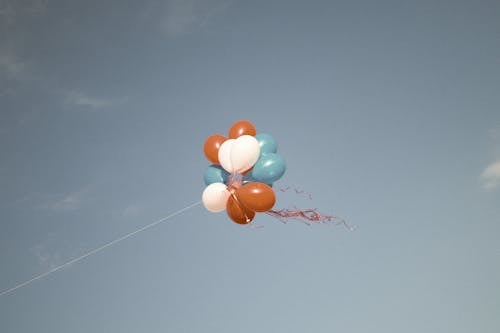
494 133
37 7
46 259
12 11
491 176
131 211
81 99
7 13
11 68
14 16
12 71
68 202
185 16
179 17
52 251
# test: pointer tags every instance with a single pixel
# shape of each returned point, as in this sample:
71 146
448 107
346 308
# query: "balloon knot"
235 181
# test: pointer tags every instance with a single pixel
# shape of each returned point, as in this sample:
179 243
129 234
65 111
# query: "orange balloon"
237 212
242 127
211 147
256 196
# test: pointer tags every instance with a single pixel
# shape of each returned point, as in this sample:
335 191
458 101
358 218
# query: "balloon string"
306 215
297 191
100 248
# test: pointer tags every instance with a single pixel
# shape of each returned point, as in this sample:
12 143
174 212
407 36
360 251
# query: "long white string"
94 251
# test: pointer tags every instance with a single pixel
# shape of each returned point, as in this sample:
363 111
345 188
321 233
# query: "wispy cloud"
491 176
68 202
7 12
78 98
10 66
11 10
53 251
46 259
131 211
179 17
185 16
494 133
15 16
12 70
37 6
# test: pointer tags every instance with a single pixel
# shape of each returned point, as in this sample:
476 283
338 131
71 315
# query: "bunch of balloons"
244 167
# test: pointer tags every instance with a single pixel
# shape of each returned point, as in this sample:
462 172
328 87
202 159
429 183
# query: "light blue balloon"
249 179
269 168
267 143
215 174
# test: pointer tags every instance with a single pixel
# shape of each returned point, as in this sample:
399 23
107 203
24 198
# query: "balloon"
215 197
244 153
239 155
211 147
215 174
241 127
237 212
247 178
258 197
269 168
225 155
267 143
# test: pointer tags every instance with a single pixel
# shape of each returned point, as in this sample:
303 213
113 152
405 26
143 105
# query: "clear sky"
388 112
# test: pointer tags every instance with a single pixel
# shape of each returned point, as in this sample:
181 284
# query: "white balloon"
215 197
225 155
245 152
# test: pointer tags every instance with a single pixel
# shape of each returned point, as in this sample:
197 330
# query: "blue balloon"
267 143
249 179
215 174
269 168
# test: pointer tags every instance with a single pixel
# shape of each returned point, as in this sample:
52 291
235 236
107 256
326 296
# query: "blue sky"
387 112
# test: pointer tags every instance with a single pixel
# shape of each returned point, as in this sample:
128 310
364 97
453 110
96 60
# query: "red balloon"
256 196
211 147
237 212
242 127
